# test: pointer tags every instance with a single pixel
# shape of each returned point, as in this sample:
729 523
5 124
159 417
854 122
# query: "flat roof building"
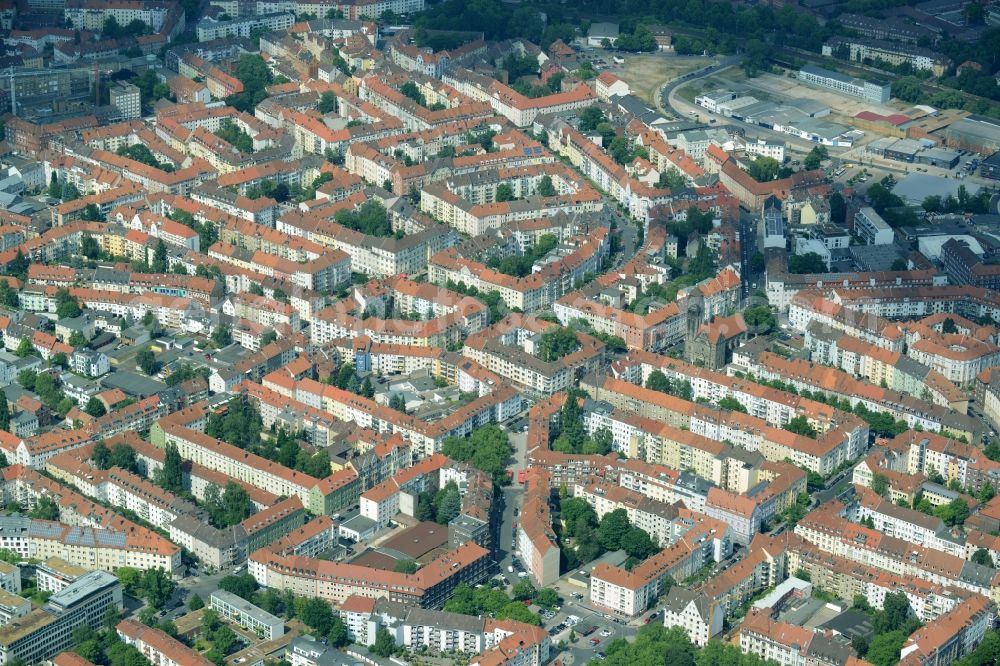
47 631
238 609
873 92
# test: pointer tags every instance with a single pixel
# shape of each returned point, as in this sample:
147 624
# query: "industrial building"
873 92
976 133
913 151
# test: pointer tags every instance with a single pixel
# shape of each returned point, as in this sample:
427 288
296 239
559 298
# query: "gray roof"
680 598
832 650
133 384
359 523
441 620
603 29
323 655
79 590
198 529
977 574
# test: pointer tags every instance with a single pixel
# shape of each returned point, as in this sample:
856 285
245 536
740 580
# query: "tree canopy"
556 342
487 449
370 218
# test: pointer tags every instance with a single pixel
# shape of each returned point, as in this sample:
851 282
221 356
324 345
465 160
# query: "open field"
646 73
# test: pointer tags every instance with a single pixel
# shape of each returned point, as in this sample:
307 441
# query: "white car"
605 632
522 574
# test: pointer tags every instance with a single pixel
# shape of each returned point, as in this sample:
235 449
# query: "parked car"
595 641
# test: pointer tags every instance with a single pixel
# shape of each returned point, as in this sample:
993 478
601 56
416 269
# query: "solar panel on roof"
107 538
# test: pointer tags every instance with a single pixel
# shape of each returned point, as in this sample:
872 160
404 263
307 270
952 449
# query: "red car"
595 641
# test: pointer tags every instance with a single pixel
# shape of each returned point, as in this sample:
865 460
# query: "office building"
127 99
47 631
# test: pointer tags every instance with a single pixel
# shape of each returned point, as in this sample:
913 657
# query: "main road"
665 92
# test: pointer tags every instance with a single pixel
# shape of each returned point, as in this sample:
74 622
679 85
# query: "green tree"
8 296
884 648
982 556
515 610
800 426
732 404
547 598
657 381
243 586
4 414
222 335
19 265
504 192
590 118
45 509
66 305
638 544
315 612
810 262
255 75
406 566
122 455
95 408
159 263
384 644
764 169
545 187
370 218
146 361
397 402
487 448
157 587
195 602
523 590
449 507
556 342
28 379
170 475
759 319
880 484
338 636
613 527
89 247
91 213
815 157
955 512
